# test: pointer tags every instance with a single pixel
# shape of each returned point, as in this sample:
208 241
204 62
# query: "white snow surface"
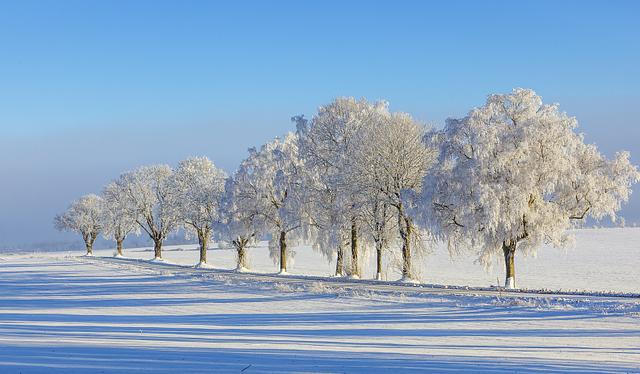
603 260
66 313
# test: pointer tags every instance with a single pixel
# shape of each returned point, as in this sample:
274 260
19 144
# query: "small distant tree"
199 188
84 216
514 174
152 199
119 219
269 188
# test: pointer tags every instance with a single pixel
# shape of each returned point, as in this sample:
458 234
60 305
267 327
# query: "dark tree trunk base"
509 250
203 239
157 249
355 265
283 252
119 247
379 264
340 262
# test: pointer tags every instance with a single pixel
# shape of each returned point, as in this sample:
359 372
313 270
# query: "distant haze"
91 89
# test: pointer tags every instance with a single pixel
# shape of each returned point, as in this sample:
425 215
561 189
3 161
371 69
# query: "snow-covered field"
64 313
602 260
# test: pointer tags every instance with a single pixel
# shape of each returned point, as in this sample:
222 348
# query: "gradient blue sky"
90 89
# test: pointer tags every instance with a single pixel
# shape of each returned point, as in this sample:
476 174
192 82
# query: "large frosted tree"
327 144
199 188
329 218
269 187
119 218
514 174
391 160
152 198
84 216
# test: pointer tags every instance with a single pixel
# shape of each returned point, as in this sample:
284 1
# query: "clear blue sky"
89 89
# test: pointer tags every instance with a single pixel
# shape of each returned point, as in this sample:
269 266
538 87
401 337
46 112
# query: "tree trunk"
242 258
404 227
157 248
509 249
406 251
203 238
355 266
379 247
240 245
283 252
340 261
88 242
89 245
119 246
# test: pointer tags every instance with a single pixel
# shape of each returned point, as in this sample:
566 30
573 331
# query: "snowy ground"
62 313
602 260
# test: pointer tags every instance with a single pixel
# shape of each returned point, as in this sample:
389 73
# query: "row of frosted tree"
510 176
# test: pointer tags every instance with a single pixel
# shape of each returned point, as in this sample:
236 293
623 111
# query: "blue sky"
90 89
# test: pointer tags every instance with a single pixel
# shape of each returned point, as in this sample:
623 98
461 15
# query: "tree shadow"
44 309
98 358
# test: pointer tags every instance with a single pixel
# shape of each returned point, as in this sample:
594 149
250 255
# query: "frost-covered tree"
391 160
199 189
84 216
378 216
327 144
514 174
239 225
269 187
328 215
152 198
119 218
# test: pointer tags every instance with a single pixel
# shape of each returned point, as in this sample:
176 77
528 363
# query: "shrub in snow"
321 288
